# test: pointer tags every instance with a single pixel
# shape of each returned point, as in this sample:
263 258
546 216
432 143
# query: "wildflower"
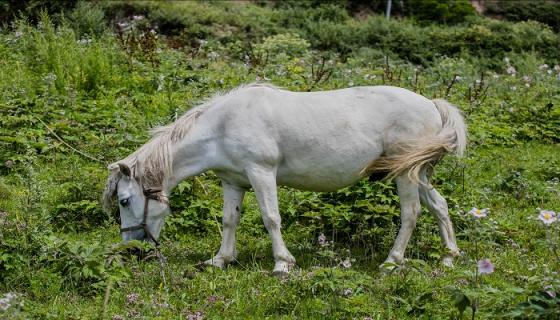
18 34
213 299
83 41
495 76
346 263
550 291
485 266
347 292
557 67
506 60
322 240
479 213
350 83
511 71
132 298
549 71
458 78
198 315
213 55
526 78
547 217
513 88
543 66
137 18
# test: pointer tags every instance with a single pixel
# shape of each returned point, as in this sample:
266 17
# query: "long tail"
420 153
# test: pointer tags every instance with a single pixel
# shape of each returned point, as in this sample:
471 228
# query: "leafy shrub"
538 10
283 46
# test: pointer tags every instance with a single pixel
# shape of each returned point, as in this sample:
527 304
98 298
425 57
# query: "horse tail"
416 155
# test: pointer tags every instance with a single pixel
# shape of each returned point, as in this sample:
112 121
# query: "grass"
61 252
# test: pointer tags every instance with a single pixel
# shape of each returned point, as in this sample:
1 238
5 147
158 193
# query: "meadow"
81 90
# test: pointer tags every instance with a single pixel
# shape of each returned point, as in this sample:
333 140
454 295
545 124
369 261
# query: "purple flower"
485 266
547 217
132 298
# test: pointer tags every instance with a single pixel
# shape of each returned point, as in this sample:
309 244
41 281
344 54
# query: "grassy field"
82 90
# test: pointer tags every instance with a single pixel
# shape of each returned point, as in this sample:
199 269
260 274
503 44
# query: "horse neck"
190 157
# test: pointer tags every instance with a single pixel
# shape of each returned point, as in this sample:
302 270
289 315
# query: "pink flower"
547 217
485 266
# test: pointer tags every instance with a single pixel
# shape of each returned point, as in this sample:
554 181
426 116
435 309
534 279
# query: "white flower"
557 67
346 263
479 213
511 71
137 18
347 292
526 78
18 34
513 88
322 240
213 55
547 217
458 78
485 266
506 60
543 67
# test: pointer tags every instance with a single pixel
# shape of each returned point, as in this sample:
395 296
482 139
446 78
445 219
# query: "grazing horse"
260 136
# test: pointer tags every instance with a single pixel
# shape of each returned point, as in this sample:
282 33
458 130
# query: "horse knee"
230 220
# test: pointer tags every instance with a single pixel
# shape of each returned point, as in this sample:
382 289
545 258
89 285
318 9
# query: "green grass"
60 251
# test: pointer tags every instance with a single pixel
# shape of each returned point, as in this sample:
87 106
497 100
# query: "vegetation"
80 89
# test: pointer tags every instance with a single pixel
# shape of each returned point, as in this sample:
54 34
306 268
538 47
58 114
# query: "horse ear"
125 170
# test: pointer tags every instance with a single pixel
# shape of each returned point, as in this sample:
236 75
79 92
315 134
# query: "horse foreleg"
264 184
233 200
437 206
410 209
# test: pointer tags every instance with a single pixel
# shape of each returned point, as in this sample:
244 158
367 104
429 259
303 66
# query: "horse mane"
153 161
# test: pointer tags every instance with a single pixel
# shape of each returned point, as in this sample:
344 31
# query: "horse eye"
124 202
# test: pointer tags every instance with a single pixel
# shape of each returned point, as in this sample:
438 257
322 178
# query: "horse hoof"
447 262
282 269
214 262
281 274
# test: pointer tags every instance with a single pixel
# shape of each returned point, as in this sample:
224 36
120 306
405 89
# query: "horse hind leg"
410 209
437 206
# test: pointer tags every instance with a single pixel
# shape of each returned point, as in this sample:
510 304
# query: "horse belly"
323 168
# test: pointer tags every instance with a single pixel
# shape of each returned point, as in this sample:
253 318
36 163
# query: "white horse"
261 136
